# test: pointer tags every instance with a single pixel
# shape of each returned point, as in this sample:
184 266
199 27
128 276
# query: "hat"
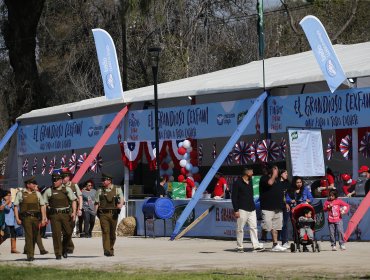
345 177
30 180
348 180
66 172
105 176
363 168
56 176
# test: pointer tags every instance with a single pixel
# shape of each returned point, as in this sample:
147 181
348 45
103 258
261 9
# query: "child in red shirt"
335 208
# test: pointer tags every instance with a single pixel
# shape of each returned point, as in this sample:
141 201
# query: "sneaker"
286 245
240 250
333 248
259 248
278 248
342 247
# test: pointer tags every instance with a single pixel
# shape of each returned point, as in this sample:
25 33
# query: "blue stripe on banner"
220 159
8 135
323 51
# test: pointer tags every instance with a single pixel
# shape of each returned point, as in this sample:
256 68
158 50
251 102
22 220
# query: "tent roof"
280 71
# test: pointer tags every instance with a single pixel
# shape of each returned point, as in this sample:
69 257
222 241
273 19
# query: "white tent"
296 69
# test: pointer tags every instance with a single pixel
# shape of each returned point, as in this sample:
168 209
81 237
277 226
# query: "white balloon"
180 144
186 156
186 144
189 150
183 162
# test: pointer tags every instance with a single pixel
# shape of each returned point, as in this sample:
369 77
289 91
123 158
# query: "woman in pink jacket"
335 208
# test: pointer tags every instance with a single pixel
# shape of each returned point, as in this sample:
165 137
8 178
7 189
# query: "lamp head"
154 55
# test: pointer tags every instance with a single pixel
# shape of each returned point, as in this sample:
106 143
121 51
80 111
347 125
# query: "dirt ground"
194 254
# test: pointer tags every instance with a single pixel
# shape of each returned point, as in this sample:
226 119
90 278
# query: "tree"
20 38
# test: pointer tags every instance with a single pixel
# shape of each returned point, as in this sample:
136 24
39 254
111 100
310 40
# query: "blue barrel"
159 208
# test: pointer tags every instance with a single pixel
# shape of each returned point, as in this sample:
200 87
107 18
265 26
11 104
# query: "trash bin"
158 208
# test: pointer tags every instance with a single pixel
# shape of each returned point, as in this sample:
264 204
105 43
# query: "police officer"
108 202
32 211
66 175
58 199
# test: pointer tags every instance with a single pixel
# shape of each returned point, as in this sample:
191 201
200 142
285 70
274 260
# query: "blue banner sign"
346 109
195 121
323 51
64 135
108 63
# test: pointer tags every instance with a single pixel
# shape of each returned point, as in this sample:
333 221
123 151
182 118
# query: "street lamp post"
154 54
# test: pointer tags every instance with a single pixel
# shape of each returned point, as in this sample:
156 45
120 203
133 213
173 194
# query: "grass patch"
14 272
10 272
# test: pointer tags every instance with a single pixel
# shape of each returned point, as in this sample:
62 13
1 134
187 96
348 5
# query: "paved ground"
198 255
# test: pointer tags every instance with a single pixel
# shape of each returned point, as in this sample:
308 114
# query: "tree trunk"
20 38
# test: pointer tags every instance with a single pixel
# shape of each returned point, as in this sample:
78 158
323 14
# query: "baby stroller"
296 213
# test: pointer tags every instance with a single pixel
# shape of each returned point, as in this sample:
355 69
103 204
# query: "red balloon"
183 171
180 178
164 165
190 182
181 151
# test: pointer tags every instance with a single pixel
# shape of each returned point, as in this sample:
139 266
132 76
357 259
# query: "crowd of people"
64 202
60 205
277 198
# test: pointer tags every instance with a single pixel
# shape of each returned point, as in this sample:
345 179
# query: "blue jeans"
334 228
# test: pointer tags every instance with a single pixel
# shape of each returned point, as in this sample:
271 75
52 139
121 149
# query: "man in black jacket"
245 210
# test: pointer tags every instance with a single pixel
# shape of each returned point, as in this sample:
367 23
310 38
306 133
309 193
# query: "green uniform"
77 192
59 200
30 213
108 215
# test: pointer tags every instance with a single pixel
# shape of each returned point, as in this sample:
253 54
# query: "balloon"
181 150
183 162
195 169
171 179
169 171
188 166
186 144
161 172
164 165
186 156
180 144
183 171
171 164
180 178
189 150
190 182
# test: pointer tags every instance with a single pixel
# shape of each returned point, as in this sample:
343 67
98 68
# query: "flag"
108 63
261 34
323 51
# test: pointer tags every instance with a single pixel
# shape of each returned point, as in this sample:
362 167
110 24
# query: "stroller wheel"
292 248
317 246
